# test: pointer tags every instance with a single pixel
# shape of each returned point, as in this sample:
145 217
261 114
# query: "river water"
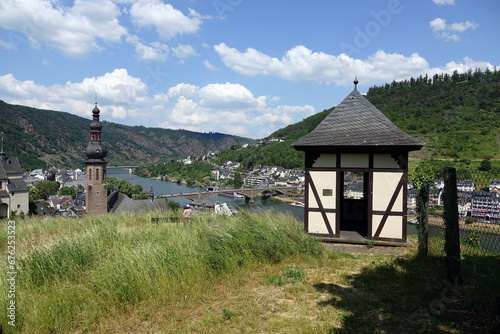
166 188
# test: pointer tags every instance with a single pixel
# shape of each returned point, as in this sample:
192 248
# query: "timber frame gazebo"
356 145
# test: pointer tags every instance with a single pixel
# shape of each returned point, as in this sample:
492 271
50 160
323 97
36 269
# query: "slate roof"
10 165
17 185
118 203
356 123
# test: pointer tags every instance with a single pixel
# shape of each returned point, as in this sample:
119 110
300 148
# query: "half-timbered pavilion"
356 163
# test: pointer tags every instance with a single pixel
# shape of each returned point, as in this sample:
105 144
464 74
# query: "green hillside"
457 116
42 138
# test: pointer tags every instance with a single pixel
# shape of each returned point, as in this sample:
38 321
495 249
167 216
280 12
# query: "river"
166 188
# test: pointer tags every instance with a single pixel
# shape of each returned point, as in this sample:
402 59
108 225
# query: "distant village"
479 205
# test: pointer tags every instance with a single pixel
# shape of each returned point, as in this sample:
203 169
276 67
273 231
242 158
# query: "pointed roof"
356 123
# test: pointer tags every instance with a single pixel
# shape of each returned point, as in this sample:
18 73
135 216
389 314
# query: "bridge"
249 193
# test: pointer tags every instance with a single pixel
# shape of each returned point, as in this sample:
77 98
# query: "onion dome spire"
96 150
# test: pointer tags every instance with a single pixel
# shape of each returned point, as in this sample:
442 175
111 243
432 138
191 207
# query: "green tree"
46 188
68 191
485 166
238 181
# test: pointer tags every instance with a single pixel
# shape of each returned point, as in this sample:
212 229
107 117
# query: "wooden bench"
157 220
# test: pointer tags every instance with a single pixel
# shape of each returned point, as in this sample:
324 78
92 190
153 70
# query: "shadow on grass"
408 294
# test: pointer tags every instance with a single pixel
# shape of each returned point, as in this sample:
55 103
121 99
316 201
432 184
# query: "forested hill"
42 138
457 116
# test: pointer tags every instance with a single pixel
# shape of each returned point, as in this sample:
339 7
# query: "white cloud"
118 91
168 21
183 51
301 64
438 24
209 66
228 108
448 32
184 89
462 67
75 31
444 2
462 26
228 96
155 51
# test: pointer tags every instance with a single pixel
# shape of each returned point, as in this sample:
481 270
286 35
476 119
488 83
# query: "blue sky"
241 67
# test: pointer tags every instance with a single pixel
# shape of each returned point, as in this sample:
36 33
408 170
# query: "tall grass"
72 274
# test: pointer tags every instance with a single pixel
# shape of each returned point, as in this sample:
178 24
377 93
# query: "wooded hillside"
42 138
457 116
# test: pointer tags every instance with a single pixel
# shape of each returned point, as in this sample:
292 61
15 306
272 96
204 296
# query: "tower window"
90 174
97 174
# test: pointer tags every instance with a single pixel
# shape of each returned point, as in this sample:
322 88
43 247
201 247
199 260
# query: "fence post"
423 219
452 231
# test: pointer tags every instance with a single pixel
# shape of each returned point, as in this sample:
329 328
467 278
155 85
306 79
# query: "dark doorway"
353 206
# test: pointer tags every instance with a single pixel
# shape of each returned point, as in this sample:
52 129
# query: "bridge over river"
249 193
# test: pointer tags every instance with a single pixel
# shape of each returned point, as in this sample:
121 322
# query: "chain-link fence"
478 199
474 229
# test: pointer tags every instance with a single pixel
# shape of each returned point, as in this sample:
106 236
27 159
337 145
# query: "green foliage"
196 171
229 315
42 137
68 191
472 239
291 274
87 270
45 189
125 187
458 117
238 180
485 166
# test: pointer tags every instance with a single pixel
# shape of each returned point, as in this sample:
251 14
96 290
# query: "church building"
14 195
96 190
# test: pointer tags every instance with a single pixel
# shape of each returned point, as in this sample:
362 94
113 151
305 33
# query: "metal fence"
464 232
478 207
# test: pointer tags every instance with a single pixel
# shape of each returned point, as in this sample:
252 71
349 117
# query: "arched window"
90 174
97 174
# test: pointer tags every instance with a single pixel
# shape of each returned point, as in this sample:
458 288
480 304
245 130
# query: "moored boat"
232 194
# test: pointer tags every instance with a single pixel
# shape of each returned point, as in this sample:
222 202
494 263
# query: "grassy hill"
250 273
42 138
457 116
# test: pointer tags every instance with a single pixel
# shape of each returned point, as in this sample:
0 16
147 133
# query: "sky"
239 67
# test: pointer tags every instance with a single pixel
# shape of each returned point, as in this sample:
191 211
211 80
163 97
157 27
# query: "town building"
96 189
14 195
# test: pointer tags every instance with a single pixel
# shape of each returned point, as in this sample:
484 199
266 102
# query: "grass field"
251 273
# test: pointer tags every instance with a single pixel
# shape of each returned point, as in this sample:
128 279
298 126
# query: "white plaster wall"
393 227
316 223
384 161
384 185
326 160
323 180
354 160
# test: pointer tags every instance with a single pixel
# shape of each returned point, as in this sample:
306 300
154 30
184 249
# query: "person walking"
187 212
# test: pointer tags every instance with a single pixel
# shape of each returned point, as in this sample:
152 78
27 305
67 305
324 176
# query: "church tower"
96 199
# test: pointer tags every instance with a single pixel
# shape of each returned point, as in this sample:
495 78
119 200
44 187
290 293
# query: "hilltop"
42 138
457 116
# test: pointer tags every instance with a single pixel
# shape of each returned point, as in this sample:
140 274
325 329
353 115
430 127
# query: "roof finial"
355 82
